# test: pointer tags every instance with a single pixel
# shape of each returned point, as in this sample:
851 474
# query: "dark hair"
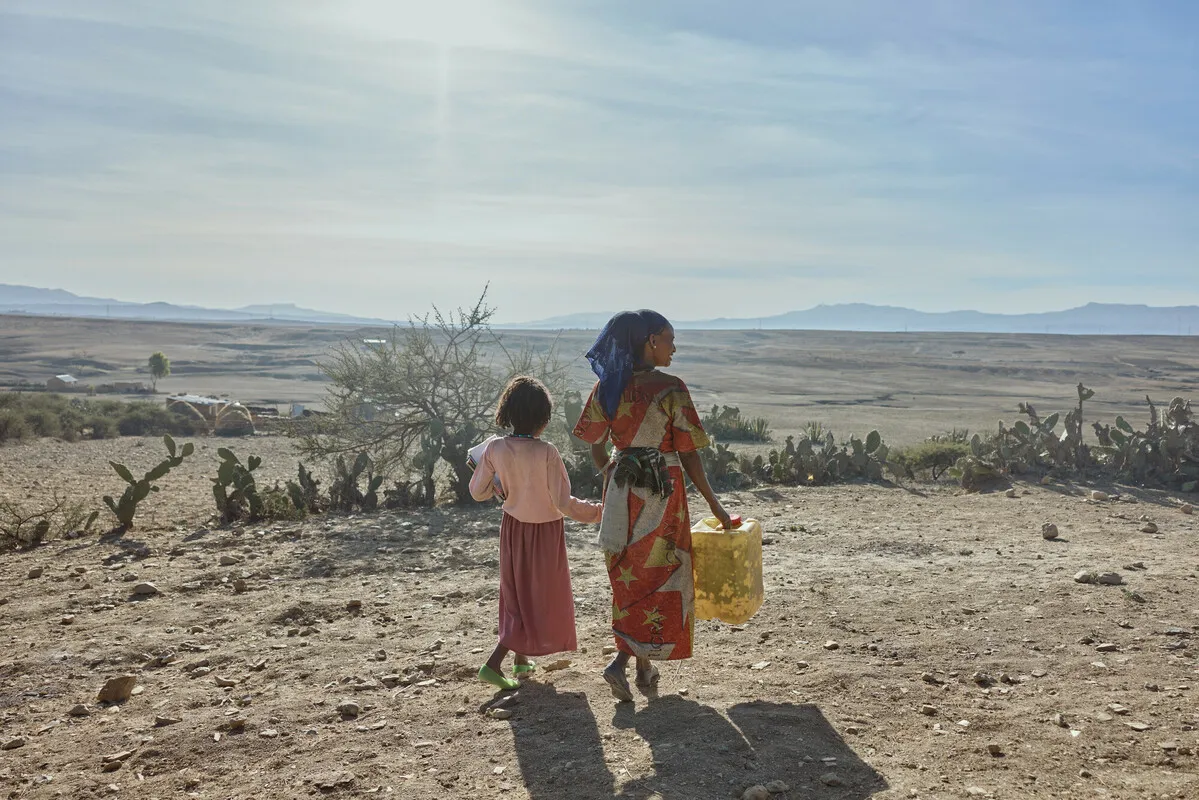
617 352
525 405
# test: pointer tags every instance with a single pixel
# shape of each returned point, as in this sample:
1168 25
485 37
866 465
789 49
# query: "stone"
832 645
1099 496
36 572
13 744
354 605
67 619
1049 531
995 749
560 664
1139 727
1109 578
756 793
778 787
230 560
337 780
1059 721
240 586
391 681
802 665
1107 647
224 683
145 589
1187 508
269 733
1149 527
1116 708
79 710
124 755
609 649
162 722
500 713
928 711
117 690
761 665
831 779
1010 492
348 708
1085 576
1168 746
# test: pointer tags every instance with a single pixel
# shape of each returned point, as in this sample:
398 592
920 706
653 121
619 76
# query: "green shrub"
933 456
725 424
13 427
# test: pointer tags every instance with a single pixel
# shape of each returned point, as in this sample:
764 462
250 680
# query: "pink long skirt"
537 609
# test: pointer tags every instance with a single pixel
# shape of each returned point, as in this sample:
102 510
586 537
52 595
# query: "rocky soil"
915 642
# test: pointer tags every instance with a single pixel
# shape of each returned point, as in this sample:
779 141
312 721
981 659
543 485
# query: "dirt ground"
906 385
907 633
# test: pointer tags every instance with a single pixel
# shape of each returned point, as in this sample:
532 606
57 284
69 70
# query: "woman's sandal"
619 684
522 669
649 678
488 675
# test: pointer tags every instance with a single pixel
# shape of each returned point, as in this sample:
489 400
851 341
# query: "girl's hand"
718 511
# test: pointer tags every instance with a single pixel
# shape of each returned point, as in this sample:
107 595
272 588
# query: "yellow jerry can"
728 569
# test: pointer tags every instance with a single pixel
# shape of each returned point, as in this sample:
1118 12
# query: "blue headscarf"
618 350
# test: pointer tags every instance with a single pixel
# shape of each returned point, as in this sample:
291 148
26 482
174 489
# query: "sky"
703 158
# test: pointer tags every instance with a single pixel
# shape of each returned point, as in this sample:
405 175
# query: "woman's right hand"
718 511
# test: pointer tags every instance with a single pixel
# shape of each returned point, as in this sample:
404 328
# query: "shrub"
13 426
726 424
934 456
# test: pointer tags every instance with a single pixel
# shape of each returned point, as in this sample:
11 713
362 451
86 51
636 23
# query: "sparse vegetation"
138 490
160 367
725 424
29 526
26 415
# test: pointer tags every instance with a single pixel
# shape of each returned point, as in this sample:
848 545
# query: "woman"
645 531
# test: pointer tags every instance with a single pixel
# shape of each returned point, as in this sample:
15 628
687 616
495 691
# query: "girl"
646 528
537 613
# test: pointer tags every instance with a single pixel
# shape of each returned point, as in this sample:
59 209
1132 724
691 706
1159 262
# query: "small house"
63 383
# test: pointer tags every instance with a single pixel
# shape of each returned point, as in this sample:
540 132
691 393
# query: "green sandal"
488 675
521 669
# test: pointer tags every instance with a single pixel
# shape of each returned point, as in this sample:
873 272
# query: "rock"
802 665
777 787
120 757
982 679
1049 531
1010 492
13 744
224 683
831 779
348 708
36 572
1139 727
162 722
555 666
995 749
1116 708
928 711
117 690
756 793
1084 773
269 733
1187 508
500 713
1149 527
931 679
391 681
831 645
1059 721
1109 578
1083 576
67 619
354 605
761 665
337 780
240 586
1099 496
609 649
79 710
230 560
1168 746
145 589
1107 647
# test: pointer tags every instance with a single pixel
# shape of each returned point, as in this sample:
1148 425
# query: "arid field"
916 640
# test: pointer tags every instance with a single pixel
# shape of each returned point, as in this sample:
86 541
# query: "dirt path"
905 631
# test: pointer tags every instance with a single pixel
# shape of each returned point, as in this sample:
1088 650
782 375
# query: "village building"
64 383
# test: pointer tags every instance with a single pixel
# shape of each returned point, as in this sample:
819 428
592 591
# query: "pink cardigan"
536 486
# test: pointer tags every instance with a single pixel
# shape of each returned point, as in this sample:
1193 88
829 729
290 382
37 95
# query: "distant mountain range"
60 303
1093 318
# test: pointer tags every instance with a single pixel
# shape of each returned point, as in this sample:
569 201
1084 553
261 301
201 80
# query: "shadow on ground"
697 752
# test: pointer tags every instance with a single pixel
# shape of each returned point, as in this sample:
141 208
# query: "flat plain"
916 640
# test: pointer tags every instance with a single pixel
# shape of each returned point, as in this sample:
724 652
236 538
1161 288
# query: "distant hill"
1093 318
60 303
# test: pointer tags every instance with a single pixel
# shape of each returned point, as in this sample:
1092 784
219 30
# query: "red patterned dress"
653 590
